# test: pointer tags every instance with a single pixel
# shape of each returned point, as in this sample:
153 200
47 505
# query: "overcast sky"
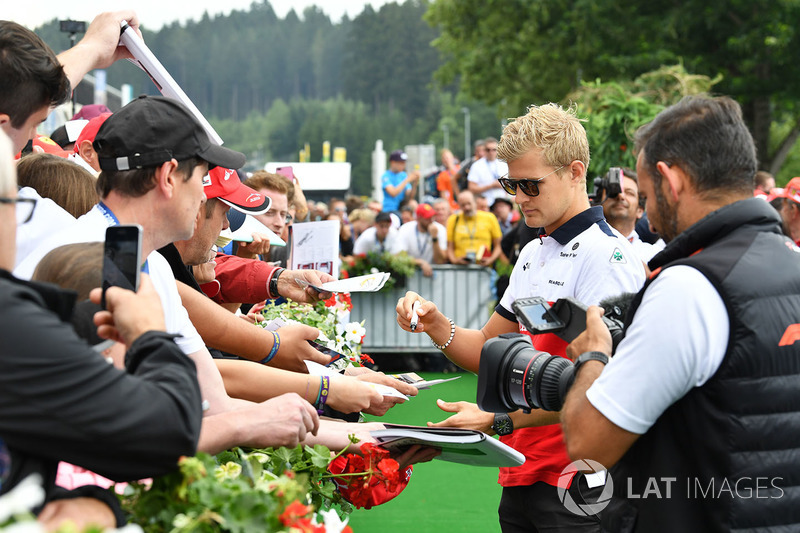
155 13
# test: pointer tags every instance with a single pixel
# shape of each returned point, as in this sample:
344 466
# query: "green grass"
441 497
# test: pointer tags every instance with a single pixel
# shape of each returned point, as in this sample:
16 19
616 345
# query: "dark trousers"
537 508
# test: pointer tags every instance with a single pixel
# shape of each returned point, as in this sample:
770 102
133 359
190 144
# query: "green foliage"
613 111
235 491
515 53
399 265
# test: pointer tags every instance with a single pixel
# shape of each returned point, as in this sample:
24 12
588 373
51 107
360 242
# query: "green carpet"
441 497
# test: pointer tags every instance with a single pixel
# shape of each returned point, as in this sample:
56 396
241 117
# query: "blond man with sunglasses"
577 255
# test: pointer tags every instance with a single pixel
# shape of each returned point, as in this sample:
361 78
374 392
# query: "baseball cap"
791 191
89 131
151 130
502 199
224 183
398 155
425 211
89 111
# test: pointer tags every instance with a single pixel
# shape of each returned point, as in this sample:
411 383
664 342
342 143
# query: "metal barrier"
462 293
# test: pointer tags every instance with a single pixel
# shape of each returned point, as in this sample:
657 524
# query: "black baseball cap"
151 130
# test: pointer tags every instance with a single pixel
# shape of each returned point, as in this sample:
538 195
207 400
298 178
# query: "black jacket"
61 401
732 446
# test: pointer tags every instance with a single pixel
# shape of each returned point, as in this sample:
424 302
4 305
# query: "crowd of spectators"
177 367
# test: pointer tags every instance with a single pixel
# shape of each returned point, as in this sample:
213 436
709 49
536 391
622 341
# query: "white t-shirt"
368 242
483 172
677 341
585 259
645 250
419 244
47 217
91 227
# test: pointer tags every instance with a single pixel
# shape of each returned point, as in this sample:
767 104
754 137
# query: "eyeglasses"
287 218
25 207
528 186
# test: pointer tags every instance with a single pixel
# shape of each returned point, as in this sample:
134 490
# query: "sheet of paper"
245 232
148 62
415 380
316 369
315 246
366 283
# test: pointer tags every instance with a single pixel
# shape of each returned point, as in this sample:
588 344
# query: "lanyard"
112 220
422 246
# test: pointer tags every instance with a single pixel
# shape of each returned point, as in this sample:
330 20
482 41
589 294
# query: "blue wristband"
276 343
322 397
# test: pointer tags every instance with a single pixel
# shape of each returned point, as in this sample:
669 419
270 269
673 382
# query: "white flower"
229 470
181 521
22 498
333 524
25 527
373 270
354 332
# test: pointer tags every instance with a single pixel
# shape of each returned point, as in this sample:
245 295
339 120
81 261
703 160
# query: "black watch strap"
503 425
590 356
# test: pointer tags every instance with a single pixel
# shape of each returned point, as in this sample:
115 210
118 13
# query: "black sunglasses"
530 187
24 210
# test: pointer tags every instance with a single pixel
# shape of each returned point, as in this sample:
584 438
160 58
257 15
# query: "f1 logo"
791 335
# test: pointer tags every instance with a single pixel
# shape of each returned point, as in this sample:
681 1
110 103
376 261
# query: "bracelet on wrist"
322 395
452 334
272 287
276 344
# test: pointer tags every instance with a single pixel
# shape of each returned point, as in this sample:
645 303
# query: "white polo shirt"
368 242
417 243
585 259
484 172
91 227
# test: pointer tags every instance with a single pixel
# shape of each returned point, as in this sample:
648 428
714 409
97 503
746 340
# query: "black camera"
72 26
611 184
514 375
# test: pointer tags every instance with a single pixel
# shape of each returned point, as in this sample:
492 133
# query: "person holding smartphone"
61 401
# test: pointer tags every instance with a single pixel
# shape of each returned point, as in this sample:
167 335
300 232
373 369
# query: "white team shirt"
483 172
419 244
585 259
676 342
47 216
91 227
368 242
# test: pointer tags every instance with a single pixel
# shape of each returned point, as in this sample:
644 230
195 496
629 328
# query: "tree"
515 52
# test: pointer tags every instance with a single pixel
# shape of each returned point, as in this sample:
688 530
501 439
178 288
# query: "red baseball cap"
425 211
224 183
791 191
47 145
89 131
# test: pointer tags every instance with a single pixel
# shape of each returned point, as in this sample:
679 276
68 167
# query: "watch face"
503 425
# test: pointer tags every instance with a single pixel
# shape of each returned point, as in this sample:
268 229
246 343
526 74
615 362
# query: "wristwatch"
503 425
589 356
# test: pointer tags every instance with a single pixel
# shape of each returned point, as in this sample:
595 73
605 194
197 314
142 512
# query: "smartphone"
536 315
122 258
338 360
287 173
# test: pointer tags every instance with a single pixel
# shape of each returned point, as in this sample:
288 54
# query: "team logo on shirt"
617 257
575 246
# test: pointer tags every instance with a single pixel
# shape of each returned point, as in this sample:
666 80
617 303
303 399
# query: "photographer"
702 392
578 256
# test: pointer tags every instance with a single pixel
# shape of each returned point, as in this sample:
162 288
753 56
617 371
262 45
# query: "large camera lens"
515 375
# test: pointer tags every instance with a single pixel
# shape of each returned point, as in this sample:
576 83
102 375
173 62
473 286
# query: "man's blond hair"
556 131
